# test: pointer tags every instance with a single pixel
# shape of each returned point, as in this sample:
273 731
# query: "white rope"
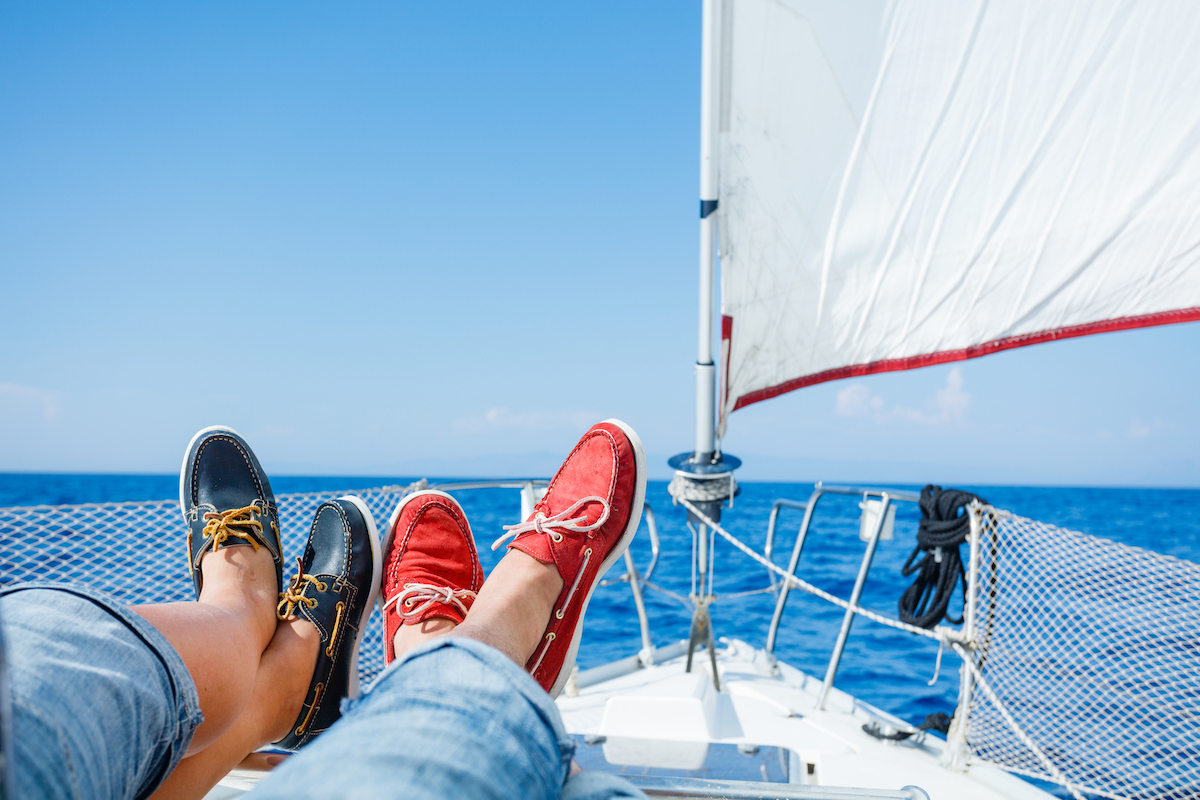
702 489
559 522
939 633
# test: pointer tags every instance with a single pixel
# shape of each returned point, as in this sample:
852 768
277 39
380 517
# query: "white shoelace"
414 593
559 522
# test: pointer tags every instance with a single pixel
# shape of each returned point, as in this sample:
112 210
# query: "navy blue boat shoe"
226 500
334 588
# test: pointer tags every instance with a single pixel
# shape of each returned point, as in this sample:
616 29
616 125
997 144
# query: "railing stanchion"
848 617
786 586
635 584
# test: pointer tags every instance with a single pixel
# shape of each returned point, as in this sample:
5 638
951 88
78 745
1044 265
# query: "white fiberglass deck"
662 716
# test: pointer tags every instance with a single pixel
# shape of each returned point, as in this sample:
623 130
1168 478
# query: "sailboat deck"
666 714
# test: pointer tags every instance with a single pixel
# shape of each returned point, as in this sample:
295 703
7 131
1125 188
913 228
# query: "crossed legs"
254 690
250 669
249 699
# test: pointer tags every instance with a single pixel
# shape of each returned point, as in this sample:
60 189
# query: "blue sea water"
883 666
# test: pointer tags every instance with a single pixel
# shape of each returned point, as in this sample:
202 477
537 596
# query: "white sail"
999 174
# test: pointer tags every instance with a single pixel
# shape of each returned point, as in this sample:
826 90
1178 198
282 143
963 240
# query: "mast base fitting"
706 482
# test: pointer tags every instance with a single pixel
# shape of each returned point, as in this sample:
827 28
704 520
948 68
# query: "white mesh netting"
135 551
1092 650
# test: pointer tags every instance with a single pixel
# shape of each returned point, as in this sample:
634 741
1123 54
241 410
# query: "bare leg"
279 690
409 636
513 606
274 705
222 636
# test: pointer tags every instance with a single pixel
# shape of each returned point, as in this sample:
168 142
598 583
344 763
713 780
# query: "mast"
710 63
704 477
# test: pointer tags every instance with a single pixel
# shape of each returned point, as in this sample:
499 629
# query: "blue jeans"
103 707
452 718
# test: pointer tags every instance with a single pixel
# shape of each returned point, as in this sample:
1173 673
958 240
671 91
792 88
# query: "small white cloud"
1139 429
856 400
503 419
14 396
951 401
948 406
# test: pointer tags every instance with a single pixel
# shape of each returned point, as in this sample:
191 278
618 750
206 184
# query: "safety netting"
136 552
1086 662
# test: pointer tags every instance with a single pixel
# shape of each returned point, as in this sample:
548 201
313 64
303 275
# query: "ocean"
888 668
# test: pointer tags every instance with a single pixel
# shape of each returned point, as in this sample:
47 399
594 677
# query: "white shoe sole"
631 526
376 576
187 457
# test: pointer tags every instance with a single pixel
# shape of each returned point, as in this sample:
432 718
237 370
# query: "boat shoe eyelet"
557 537
558 614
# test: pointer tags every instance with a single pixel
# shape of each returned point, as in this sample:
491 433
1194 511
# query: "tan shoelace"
293 595
240 522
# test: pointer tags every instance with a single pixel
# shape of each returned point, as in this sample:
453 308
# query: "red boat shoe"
587 518
430 566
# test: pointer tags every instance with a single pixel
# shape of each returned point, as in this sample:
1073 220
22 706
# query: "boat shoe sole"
226 500
334 589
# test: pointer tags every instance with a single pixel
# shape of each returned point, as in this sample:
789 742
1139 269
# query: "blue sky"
442 238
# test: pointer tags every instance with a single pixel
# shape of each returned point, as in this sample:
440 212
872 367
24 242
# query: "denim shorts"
103 706
452 718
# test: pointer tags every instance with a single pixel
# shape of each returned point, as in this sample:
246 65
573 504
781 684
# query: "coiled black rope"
944 526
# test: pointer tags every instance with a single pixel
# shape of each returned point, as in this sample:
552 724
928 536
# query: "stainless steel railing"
638 581
886 497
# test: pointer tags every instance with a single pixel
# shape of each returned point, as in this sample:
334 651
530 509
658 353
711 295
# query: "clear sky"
441 239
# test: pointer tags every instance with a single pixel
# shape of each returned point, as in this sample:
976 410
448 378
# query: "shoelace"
559 522
220 525
293 596
413 593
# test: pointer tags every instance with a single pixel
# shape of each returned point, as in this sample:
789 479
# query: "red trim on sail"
727 347
974 351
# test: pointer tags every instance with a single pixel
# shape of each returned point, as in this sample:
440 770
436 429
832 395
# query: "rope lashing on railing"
943 528
937 634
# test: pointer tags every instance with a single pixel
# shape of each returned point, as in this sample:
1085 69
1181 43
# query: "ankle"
514 606
409 636
288 666
537 580
243 581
